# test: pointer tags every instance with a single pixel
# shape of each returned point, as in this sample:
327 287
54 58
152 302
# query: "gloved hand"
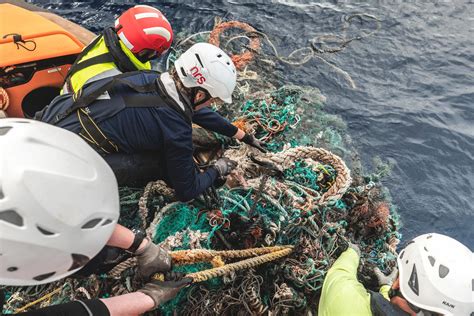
250 140
163 291
385 279
355 247
152 259
224 166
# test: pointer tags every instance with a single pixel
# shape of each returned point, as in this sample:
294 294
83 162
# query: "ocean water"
413 101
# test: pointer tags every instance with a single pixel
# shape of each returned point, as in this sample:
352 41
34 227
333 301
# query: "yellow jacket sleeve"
384 289
342 293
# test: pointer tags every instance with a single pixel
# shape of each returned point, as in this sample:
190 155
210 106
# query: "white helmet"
207 66
437 275
59 202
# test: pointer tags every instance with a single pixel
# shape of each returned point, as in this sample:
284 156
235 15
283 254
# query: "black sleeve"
187 182
77 308
214 122
380 306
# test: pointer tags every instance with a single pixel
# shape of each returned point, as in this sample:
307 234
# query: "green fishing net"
284 116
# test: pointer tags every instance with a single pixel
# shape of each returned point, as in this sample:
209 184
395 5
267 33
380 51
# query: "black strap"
152 94
154 100
115 55
121 60
142 100
91 133
99 59
82 101
72 70
19 41
139 236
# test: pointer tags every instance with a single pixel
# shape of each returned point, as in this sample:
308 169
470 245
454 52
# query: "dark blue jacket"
159 129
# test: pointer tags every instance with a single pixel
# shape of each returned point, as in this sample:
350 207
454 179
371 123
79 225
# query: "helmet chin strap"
194 92
146 55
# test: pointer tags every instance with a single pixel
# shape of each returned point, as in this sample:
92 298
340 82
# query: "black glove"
224 166
250 140
152 259
164 290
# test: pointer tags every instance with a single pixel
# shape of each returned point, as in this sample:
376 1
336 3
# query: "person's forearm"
239 135
212 121
347 263
186 191
123 237
135 303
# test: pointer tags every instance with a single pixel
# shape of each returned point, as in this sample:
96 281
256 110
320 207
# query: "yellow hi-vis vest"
99 70
342 293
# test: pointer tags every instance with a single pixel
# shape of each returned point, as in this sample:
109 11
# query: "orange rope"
4 99
243 59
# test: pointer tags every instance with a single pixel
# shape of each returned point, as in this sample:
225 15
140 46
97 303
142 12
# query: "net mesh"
254 210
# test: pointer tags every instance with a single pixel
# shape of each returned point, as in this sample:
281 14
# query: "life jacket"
105 56
99 100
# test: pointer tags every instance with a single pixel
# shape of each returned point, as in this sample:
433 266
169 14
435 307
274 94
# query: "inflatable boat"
36 51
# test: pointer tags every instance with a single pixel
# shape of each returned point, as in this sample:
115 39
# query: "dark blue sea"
413 104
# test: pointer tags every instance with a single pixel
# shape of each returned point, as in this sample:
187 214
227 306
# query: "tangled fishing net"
292 211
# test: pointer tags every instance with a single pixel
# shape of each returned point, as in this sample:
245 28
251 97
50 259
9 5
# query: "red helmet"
144 27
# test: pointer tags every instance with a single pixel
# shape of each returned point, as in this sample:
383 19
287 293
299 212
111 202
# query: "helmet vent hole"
45 231
1 193
11 217
413 281
92 223
426 249
219 55
4 130
78 261
228 63
107 222
443 271
42 277
12 269
183 72
199 60
401 254
432 260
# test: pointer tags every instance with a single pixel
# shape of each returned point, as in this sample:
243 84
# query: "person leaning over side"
435 276
140 34
59 207
141 122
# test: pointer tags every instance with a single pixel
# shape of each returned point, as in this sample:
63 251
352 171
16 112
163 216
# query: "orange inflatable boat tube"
35 56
